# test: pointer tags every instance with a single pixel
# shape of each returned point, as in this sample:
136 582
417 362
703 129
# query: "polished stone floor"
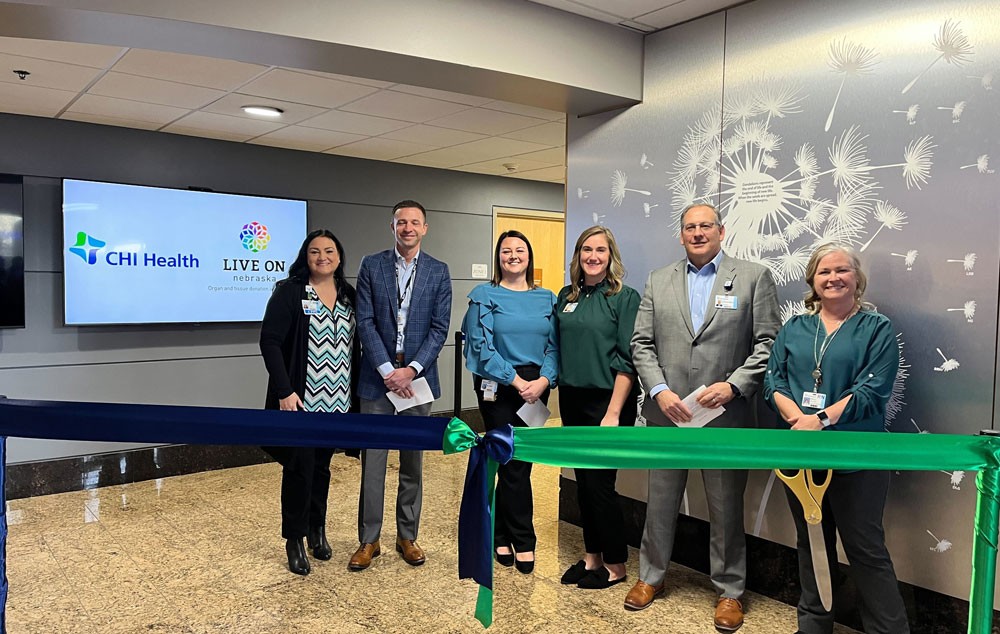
202 554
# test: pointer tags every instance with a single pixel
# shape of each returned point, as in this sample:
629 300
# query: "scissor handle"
819 490
810 494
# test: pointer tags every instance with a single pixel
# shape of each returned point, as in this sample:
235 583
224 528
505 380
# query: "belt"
399 359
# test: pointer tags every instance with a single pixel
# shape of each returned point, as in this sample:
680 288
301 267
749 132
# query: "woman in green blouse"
833 369
597 386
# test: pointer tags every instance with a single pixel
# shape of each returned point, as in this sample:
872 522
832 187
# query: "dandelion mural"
956 110
982 164
582 193
897 400
646 208
956 479
889 216
790 309
850 60
618 188
644 162
969 310
941 546
908 258
948 365
953 46
598 218
986 81
968 263
919 431
911 113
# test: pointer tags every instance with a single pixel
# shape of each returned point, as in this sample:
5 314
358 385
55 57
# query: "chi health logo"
255 237
87 247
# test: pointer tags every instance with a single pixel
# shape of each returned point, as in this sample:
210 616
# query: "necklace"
819 353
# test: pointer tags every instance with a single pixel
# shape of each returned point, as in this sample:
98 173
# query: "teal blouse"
862 359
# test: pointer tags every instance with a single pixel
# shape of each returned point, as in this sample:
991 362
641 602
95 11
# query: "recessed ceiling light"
263 111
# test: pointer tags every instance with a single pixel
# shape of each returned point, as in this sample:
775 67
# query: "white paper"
534 414
700 416
421 394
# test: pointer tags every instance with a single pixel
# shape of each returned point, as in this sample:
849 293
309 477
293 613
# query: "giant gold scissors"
810 495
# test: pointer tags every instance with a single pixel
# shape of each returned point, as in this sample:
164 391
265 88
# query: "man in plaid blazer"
403 313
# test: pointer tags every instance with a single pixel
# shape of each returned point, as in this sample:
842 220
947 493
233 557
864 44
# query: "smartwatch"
824 420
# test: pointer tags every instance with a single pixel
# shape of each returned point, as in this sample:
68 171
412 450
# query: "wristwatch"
824 420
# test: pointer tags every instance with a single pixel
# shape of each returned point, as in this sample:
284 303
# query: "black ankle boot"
316 538
296 552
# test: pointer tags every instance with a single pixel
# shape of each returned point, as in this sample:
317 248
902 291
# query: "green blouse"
595 336
861 359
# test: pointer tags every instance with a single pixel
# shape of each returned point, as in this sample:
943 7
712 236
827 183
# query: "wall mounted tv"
11 252
141 255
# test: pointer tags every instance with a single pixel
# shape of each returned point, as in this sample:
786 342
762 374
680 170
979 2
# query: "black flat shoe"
504 560
574 574
599 579
296 552
524 567
316 539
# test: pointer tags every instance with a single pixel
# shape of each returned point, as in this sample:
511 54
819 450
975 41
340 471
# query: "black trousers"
512 525
600 511
305 487
853 507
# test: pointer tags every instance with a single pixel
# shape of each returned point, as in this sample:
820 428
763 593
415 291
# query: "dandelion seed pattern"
956 110
598 218
948 365
646 208
911 113
941 546
618 188
982 164
969 310
919 431
790 309
908 258
889 216
956 479
850 60
986 81
897 397
968 263
582 193
644 162
953 46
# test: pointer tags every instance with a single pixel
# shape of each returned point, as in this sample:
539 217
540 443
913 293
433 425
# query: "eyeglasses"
705 227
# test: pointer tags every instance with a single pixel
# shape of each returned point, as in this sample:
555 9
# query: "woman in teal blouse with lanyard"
597 386
511 351
833 369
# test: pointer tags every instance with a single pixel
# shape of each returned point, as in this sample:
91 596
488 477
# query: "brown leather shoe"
641 595
412 554
362 557
728 615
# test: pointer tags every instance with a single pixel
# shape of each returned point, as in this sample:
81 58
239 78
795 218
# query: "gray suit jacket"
732 345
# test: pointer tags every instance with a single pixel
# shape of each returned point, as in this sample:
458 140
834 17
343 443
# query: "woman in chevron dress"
308 345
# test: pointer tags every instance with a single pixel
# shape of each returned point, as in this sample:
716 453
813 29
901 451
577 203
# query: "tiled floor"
202 554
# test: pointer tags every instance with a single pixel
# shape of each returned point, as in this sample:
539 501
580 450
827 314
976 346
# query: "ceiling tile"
682 11
434 136
443 95
477 151
630 8
581 9
232 105
553 133
92 55
220 123
46 74
424 160
33 100
209 72
166 93
498 167
379 149
348 78
491 122
551 174
126 109
354 123
397 105
102 120
551 156
310 139
206 134
305 88
527 111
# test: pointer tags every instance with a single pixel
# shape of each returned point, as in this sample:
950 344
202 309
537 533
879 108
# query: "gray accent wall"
213 364
805 121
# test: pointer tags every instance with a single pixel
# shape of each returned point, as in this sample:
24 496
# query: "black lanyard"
405 292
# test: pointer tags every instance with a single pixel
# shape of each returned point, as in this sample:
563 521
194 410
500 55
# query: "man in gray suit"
709 320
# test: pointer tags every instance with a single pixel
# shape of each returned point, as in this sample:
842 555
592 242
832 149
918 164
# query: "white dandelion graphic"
908 258
941 546
986 81
618 188
982 164
790 309
956 110
598 218
645 162
646 208
969 310
850 60
911 113
919 431
948 365
582 193
897 397
953 46
956 479
889 217
968 263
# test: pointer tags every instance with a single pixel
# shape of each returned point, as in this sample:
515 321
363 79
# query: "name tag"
312 306
726 302
489 389
570 307
815 400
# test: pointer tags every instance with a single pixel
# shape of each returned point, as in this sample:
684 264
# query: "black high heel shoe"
505 560
296 552
524 567
316 539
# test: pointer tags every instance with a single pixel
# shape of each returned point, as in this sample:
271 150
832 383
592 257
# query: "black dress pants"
512 524
600 511
305 487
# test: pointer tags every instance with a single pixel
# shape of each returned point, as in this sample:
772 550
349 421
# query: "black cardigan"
284 342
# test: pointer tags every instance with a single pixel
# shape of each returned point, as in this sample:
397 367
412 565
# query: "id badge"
311 306
570 307
726 302
489 389
815 400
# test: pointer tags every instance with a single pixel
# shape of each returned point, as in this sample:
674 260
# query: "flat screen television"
11 251
144 255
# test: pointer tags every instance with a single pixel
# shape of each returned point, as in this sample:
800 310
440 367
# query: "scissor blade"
821 565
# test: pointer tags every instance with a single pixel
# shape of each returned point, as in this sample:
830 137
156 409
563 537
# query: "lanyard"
403 293
817 374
